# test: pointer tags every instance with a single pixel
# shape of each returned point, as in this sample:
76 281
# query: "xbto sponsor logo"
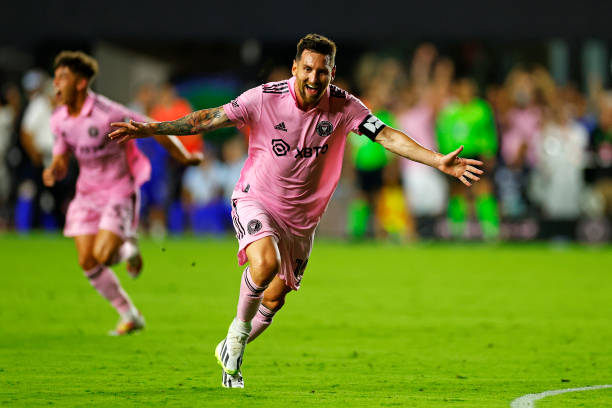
310 151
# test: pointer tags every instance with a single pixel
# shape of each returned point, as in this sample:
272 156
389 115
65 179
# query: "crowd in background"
547 153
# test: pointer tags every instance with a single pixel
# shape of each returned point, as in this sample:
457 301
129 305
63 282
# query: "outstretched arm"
178 151
399 143
200 121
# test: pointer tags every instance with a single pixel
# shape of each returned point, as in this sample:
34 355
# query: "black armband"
371 127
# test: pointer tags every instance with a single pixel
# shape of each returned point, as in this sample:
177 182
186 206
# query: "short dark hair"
78 62
317 43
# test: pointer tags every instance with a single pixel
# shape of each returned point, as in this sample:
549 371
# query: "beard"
308 97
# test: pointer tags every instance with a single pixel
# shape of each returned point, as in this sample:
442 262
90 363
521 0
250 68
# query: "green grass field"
374 325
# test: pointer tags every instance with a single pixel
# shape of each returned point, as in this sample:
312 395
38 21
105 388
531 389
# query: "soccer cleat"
134 265
229 353
232 381
128 326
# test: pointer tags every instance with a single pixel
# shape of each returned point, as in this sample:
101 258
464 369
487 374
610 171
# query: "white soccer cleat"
232 381
229 352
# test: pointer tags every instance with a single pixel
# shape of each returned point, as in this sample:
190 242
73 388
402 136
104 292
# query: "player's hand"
194 159
130 130
463 169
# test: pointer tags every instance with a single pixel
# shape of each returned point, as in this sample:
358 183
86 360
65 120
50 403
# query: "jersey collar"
85 109
88 104
323 103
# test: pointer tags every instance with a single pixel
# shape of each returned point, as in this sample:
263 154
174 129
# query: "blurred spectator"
425 188
391 210
144 98
520 131
37 141
162 193
36 136
20 193
7 115
601 146
204 184
169 107
154 193
370 158
558 180
468 121
207 189
234 154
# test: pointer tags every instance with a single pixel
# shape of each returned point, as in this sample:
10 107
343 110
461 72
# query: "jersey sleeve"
360 120
245 109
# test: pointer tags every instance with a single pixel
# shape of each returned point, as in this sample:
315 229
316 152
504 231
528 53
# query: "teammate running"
103 215
297 139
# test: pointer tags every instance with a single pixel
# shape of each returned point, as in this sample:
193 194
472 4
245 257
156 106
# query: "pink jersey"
104 165
295 157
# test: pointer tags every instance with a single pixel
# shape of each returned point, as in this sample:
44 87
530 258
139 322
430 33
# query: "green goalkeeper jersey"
471 125
366 154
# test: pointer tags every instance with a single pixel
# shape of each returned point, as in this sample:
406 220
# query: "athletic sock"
488 216
457 216
261 321
250 298
106 283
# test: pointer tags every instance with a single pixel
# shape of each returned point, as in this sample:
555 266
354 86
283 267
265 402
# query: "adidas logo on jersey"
281 126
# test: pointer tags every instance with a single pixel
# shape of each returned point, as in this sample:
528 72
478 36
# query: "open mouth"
311 89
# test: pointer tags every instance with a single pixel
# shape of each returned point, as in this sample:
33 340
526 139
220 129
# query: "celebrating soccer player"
103 215
297 139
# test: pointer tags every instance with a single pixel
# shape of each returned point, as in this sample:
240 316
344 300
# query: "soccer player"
297 139
103 215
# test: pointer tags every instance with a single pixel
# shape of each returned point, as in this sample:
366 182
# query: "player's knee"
103 254
87 261
264 267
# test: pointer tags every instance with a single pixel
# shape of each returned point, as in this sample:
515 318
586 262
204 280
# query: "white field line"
527 401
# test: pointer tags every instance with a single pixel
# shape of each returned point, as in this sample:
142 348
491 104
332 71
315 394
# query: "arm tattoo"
200 121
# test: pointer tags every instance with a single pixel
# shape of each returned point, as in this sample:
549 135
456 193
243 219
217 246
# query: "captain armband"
371 127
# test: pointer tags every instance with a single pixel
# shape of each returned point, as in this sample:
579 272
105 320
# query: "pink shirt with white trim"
104 165
295 156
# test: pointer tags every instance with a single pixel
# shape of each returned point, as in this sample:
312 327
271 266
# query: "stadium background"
210 53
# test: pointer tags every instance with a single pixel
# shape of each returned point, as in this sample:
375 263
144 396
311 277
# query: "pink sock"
106 283
250 297
261 321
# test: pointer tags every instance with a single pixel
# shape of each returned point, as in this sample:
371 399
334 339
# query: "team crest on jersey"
325 128
280 147
254 226
93 131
